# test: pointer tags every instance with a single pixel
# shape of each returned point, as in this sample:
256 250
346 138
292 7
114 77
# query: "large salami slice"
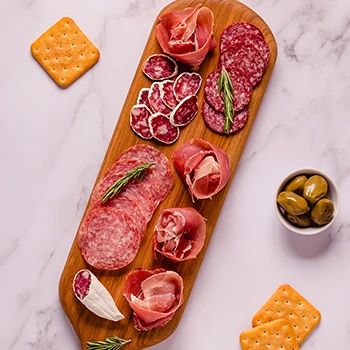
108 238
246 57
185 111
187 84
214 120
161 169
167 93
162 129
255 40
242 89
142 98
160 67
156 101
139 116
235 29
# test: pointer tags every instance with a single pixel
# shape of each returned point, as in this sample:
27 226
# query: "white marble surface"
53 141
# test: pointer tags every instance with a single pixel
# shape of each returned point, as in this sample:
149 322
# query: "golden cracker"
275 335
289 304
65 52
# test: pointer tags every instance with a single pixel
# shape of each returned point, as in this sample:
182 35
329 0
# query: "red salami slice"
257 41
187 84
161 169
185 111
160 67
167 93
108 238
142 99
139 116
214 120
162 130
246 57
242 89
235 29
155 99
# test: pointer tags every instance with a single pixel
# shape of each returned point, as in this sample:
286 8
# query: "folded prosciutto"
154 295
179 234
204 167
187 35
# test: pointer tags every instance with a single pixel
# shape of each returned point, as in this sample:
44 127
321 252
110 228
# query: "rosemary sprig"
137 173
112 343
225 84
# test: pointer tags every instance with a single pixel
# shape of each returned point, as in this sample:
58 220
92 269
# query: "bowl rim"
308 231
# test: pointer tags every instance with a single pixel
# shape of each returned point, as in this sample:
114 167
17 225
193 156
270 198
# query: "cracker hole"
36 49
277 334
315 317
48 49
81 54
267 310
53 69
265 332
64 34
275 300
297 337
68 56
73 44
56 58
299 304
65 68
60 45
291 314
51 36
45 59
303 316
306 327
278 312
288 337
93 53
78 67
76 33
62 79
287 301
268 344
295 326
67 23
256 342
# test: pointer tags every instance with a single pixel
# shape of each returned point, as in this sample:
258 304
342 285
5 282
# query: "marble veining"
52 143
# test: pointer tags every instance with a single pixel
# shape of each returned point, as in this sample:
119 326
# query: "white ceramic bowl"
333 195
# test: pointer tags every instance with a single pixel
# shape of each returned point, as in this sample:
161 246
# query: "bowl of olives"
307 201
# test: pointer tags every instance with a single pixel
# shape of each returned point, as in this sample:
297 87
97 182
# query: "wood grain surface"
90 327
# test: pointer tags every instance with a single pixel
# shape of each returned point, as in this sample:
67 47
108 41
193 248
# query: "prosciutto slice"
204 168
154 295
187 35
179 234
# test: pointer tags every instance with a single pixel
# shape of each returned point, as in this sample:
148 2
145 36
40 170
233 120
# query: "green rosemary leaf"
138 173
225 85
112 343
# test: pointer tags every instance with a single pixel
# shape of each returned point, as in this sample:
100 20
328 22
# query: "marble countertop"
53 142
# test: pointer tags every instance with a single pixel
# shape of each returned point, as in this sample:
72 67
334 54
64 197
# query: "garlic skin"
95 296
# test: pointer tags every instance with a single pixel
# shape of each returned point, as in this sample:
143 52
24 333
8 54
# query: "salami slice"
246 57
242 89
214 120
108 238
160 67
161 169
142 99
139 116
162 129
155 99
187 84
235 29
255 40
185 111
167 93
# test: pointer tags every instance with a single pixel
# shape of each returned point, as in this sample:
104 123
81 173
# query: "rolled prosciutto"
179 234
154 295
204 168
187 35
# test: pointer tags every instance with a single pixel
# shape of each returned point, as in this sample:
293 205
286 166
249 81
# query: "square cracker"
65 52
289 304
275 335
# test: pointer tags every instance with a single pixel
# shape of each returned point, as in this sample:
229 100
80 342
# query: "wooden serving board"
90 327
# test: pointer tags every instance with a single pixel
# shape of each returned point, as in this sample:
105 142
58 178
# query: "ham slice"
204 168
179 234
154 295
187 35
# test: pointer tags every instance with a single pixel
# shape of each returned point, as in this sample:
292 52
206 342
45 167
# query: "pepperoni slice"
167 93
235 29
159 67
214 120
187 84
142 98
185 111
246 57
139 116
155 99
162 129
242 89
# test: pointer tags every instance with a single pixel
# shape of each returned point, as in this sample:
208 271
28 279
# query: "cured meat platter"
90 327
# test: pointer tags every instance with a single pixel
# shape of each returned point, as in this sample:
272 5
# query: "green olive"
302 220
322 212
315 188
292 203
296 184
